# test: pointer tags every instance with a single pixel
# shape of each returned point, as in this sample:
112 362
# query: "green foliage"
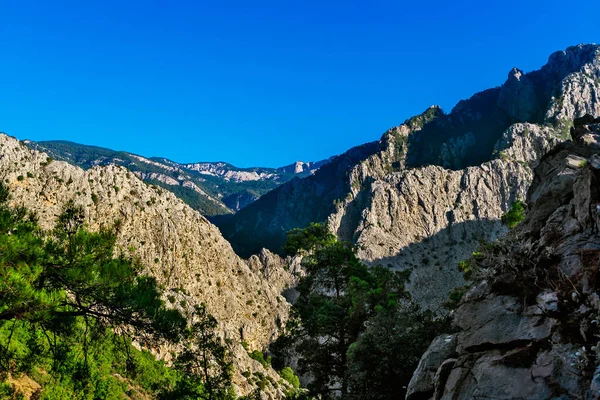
309 239
383 359
205 362
515 215
344 312
428 116
20 177
456 296
260 357
63 293
288 374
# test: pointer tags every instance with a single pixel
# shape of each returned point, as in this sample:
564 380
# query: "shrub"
259 356
288 374
515 215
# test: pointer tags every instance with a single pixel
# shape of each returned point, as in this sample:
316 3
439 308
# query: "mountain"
424 195
213 188
176 244
528 326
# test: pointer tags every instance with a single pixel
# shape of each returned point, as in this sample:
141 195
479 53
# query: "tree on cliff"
358 334
64 294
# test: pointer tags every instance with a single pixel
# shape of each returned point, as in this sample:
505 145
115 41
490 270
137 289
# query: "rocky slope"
430 189
528 327
177 245
264 223
429 219
213 188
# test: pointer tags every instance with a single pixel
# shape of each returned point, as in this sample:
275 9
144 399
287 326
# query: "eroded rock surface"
177 245
528 328
429 190
413 205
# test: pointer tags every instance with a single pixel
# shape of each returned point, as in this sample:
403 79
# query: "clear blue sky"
260 82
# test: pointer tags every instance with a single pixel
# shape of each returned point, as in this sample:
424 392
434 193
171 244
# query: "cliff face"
264 223
428 219
438 178
528 327
178 246
410 207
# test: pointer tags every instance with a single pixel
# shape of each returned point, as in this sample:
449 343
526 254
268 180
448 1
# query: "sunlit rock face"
176 244
528 326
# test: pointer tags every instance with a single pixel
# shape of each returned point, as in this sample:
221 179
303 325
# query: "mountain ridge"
214 188
482 143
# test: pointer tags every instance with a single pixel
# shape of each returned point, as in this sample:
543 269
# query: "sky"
260 83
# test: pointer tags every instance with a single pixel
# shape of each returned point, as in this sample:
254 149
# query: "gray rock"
489 378
497 321
510 347
424 378
518 98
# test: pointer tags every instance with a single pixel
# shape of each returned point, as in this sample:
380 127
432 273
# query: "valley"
311 267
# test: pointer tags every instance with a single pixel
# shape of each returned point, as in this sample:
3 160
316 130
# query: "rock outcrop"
429 219
176 244
528 327
410 205
436 180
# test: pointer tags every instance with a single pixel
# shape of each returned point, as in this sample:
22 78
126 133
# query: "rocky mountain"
213 188
528 327
431 189
176 244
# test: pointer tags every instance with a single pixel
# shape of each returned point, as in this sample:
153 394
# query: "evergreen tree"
205 361
64 294
357 332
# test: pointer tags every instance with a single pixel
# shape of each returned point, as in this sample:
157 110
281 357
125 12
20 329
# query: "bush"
288 374
259 356
515 215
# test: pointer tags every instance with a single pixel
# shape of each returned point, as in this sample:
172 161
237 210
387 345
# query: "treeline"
70 306
356 333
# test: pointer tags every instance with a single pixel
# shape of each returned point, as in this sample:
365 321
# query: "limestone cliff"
528 327
177 245
409 207
438 179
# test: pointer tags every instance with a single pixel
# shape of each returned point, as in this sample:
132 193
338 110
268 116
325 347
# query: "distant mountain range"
213 188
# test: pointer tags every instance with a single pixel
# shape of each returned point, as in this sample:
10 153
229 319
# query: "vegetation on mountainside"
357 332
515 215
69 310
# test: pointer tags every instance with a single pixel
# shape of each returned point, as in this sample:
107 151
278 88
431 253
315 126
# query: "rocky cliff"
431 189
428 219
177 245
528 327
